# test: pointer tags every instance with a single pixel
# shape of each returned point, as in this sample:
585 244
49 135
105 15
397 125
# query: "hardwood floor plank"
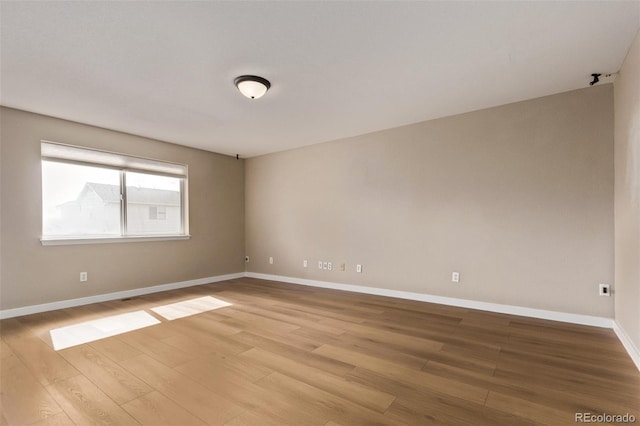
578 350
323 405
354 392
476 351
321 313
253 419
192 396
539 391
430 332
115 349
485 319
313 359
155 409
472 377
115 381
300 339
529 410
23 399
86 404
548 393
340 304
440 410
408 344
197 343
228 368
389 351
394 386
297 321
404 374
247 321
269 406
43 362
481 366
5 350
157 349
60 419
308 339
302 317
497 336
203 323
569 363
571 381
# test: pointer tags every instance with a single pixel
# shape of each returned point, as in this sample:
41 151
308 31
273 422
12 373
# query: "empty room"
319 213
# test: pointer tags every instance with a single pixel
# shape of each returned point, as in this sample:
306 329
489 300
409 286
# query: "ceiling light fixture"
252 86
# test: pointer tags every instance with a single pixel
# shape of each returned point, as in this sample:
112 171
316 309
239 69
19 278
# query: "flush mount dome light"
252 86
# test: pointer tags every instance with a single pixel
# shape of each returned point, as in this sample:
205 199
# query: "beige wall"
627 194
33 274
517 198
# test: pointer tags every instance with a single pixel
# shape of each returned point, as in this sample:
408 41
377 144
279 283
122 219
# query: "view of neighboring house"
96 210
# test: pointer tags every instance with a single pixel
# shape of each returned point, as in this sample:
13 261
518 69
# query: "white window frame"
64 153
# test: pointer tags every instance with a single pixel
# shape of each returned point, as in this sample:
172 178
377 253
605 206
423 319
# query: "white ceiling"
165 69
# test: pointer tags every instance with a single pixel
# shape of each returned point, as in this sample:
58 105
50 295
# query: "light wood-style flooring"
285 354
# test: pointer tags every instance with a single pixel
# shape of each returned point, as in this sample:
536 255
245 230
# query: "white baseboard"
34 309
463 303
633 351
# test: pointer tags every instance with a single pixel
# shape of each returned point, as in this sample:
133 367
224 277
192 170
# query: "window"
94 195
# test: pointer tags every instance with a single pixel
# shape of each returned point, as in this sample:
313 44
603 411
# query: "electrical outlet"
359 268
304 264
604 290
270 260
84 277
343 267
325 265
329 266
319 264
246 259
455 277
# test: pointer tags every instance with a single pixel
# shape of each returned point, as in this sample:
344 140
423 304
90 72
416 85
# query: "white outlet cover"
604 290
329 266
304 263
359 268
319 264
271 260
455 277
325 265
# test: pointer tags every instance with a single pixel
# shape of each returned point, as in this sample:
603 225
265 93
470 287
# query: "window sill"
106 240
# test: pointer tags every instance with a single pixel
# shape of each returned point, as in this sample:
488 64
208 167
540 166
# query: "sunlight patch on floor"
189 307
89 331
